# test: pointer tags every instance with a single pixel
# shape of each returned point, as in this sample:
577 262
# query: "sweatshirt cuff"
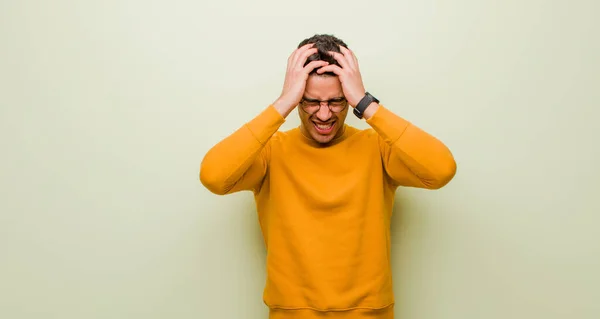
265 124
387 124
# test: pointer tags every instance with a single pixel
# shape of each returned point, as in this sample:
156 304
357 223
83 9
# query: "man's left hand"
349 75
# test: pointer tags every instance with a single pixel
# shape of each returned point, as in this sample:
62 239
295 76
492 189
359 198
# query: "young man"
324 191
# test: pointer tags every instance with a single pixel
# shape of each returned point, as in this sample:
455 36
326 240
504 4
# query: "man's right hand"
295 78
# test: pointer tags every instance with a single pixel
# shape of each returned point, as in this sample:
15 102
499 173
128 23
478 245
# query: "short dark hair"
323 43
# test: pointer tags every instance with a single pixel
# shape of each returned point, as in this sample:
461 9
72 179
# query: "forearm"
234 162
412 156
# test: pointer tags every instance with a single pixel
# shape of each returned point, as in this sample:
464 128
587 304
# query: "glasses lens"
337 105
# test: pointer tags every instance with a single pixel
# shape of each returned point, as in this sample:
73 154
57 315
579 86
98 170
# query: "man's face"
324 125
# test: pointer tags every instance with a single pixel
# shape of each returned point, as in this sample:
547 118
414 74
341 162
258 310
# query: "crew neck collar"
310 141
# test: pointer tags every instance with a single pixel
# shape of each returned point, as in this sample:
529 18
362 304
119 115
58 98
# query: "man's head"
323 121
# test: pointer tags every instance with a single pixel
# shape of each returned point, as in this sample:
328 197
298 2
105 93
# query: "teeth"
324 127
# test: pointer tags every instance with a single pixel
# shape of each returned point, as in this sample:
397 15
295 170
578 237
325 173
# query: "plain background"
107 108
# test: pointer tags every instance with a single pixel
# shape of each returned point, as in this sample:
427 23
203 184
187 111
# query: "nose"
324 113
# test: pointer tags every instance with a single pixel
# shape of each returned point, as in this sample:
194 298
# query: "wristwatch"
359 109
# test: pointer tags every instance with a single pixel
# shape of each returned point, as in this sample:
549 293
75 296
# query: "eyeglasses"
335 105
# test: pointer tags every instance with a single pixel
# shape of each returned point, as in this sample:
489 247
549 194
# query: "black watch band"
359 109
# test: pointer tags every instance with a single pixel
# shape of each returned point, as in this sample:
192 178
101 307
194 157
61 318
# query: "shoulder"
284 136
356 133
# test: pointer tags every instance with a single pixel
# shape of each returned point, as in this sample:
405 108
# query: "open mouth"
324 129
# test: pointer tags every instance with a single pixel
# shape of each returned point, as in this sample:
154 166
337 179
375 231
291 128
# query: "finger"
302 56
308 45
350 55
314 64
330 68
292 57
340 58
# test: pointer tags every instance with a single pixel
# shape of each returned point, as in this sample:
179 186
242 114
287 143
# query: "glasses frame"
303 102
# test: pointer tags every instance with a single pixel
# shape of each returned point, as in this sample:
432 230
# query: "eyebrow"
315 100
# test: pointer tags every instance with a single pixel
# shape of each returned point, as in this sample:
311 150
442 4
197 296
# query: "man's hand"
295 78
349 75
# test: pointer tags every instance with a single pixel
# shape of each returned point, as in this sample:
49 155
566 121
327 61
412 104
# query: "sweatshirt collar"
309 140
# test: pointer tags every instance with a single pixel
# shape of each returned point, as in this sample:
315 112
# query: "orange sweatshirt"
325 211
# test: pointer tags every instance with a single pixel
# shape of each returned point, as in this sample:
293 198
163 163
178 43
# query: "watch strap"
360 108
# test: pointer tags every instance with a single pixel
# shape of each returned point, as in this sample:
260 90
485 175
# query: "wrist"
283 107
370 110
366 107
356 98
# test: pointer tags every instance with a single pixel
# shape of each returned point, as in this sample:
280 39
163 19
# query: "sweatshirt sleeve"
411 157
239 162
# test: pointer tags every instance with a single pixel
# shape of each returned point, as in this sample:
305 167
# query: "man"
324 191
